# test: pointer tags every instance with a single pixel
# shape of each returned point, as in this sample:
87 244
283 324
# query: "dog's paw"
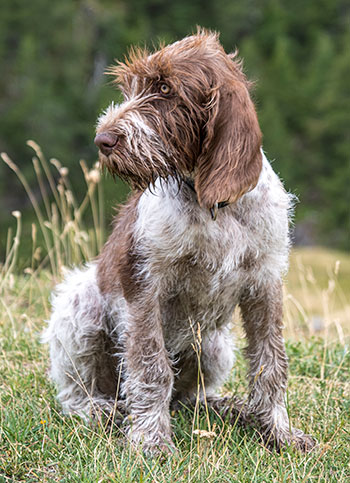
154 444
162 448
303 442
296 438
108 412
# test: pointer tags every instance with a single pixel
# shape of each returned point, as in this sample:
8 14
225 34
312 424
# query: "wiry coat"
205 231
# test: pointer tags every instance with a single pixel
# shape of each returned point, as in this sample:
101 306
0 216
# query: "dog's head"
187 113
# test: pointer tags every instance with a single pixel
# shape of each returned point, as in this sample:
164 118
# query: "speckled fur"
123 330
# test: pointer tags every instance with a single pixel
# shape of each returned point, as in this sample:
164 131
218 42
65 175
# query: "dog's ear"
230 160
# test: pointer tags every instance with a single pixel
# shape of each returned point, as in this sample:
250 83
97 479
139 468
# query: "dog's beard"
139 170
144 152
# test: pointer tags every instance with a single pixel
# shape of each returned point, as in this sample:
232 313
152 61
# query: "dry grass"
66 239
317 295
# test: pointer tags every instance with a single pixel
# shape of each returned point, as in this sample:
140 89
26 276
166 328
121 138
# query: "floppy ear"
230 160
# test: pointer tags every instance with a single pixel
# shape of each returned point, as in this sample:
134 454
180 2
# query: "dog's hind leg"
83 364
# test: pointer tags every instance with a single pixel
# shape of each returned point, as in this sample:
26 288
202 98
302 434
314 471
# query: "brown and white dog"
205 230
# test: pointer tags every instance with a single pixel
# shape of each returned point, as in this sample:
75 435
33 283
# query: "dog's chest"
197 294
196 265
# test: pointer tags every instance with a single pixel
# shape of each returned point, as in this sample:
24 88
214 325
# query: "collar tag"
214 209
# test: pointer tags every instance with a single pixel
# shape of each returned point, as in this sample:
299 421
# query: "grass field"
38 444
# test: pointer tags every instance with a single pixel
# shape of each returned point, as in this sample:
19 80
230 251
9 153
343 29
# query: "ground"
38 444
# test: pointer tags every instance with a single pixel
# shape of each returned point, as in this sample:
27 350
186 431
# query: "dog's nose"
105 142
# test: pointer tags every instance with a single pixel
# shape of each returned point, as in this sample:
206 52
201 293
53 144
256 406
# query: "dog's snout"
105 142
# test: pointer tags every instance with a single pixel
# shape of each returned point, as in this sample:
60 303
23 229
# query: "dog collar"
214 209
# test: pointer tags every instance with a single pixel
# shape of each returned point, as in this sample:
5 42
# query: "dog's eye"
164 89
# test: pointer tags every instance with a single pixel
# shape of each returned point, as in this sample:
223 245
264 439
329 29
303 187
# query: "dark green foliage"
53 54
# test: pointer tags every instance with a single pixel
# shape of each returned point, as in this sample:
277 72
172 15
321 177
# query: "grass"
38 444
317 294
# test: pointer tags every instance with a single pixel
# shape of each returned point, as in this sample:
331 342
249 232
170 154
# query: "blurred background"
53 55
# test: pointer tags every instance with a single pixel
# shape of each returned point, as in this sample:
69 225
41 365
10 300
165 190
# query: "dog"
205 230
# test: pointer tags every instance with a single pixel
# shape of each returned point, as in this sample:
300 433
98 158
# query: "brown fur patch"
118 259
230 162
262 314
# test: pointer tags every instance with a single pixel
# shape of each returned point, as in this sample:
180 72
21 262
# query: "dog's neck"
213 210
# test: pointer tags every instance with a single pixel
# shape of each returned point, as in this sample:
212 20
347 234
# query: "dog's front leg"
262 317
149 377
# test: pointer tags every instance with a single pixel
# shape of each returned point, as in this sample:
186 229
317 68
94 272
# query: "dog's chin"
140 177
108 163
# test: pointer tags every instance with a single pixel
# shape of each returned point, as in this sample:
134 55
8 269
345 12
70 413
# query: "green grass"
38 444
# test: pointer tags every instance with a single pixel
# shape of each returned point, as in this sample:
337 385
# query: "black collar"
214 209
